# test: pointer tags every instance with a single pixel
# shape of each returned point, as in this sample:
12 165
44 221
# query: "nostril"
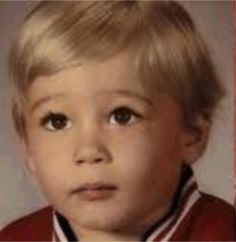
78 162
97 160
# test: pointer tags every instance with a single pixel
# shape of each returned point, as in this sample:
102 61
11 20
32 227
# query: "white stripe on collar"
192 199
166 233
58 234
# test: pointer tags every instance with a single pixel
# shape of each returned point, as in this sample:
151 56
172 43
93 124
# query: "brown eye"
56 121
123 116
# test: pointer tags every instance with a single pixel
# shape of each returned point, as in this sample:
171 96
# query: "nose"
92 155
91 148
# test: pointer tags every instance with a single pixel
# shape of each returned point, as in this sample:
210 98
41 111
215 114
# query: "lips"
96 191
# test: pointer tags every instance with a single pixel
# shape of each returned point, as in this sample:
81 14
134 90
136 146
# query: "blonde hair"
169 51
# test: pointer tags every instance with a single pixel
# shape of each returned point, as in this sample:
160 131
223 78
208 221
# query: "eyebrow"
131 94
45 99
48 98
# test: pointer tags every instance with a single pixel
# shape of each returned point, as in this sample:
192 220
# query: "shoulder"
215 209
211 219
212 203
33 227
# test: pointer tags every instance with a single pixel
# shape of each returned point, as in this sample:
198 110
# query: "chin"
100 223
106 219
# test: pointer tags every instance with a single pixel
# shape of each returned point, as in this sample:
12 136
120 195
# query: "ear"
30 164
195 140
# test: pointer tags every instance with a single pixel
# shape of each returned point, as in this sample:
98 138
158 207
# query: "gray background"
19 194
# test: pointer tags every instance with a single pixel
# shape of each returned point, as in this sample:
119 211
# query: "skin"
142 154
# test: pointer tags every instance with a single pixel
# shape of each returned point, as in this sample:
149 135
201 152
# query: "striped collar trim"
189 196
186 196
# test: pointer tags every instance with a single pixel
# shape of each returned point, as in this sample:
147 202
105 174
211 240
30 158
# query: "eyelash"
122 116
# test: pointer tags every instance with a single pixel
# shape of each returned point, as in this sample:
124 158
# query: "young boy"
113 102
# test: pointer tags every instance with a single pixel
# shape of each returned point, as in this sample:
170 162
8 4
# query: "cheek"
46 148
149 155
51 157
160 142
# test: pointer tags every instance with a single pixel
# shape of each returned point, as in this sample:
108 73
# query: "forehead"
117 73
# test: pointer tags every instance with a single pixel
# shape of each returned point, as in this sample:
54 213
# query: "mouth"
95 191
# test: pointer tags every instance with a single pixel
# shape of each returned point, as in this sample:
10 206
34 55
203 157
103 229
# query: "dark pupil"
58 121
122 115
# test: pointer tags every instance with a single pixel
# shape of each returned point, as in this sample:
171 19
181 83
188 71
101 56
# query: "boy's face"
105 149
